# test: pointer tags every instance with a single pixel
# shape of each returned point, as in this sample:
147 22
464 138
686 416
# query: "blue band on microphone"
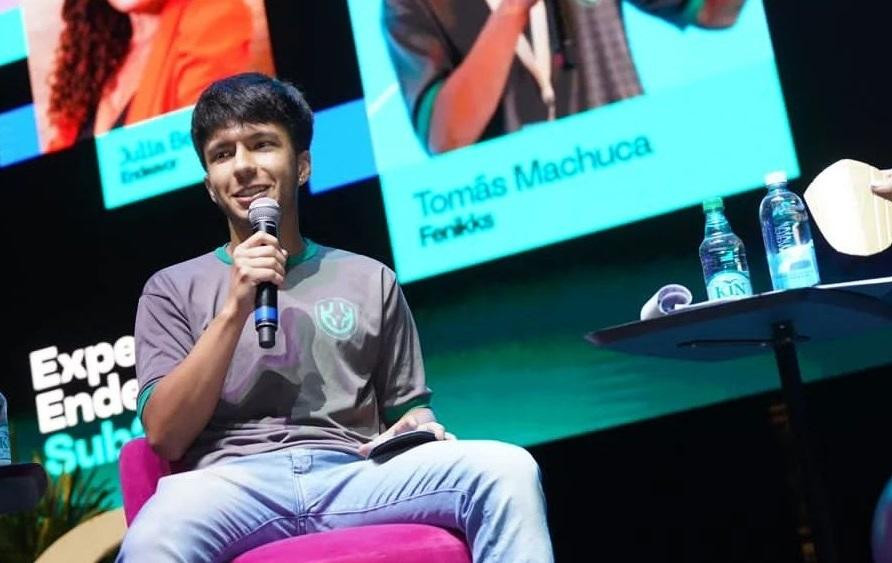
266 314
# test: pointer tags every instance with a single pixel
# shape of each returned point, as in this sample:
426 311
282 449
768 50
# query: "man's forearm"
472 93
184 400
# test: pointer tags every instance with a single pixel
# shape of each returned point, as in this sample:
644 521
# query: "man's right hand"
517 5
256 260
883 186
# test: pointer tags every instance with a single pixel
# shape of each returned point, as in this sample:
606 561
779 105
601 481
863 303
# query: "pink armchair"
140 468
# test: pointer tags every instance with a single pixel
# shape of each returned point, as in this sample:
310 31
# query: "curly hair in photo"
93 45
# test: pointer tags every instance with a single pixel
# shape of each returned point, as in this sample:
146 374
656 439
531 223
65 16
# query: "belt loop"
301 461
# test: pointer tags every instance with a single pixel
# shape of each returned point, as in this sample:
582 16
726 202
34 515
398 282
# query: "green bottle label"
728 284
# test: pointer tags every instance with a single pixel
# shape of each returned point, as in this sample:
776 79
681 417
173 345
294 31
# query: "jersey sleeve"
399 380
678 12
162 334
420 54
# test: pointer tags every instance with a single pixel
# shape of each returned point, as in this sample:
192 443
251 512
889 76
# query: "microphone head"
263 210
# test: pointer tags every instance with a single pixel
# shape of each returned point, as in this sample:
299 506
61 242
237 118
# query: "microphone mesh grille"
264 209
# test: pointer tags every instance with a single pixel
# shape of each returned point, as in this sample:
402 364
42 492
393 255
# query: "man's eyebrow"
218 143
263 133
213 145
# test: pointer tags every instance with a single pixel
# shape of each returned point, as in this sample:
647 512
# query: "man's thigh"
223 509
433 483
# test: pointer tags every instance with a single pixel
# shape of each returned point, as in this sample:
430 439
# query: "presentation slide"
103 72
529 220
652 114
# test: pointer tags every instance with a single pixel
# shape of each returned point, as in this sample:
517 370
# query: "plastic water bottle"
787 235
5 452
722 256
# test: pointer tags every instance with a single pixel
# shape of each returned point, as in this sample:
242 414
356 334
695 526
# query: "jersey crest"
336 317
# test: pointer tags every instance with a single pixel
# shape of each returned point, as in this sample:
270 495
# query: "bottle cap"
776 177
713 204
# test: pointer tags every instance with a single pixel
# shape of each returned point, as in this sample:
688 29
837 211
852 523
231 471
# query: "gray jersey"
346 362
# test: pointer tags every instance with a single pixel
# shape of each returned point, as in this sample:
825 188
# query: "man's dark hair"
251 97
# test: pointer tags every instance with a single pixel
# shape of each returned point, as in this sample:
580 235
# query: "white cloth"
667 299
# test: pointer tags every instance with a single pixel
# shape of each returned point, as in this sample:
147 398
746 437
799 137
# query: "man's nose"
244 162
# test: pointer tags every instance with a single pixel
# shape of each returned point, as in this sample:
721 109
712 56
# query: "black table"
771 321
21 486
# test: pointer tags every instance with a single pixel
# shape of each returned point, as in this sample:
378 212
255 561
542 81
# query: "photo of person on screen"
119 62
471 70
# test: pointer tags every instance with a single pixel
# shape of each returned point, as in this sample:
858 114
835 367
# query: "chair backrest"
139 469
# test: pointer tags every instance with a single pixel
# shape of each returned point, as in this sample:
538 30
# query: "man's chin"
237 216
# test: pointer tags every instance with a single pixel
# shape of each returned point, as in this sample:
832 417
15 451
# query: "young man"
276 440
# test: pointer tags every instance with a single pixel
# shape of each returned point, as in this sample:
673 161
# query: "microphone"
563 38
264 216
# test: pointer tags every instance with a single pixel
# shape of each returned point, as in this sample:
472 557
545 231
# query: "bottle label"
795 266
728 284
5 454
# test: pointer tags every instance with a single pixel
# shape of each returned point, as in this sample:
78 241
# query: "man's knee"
167 524
145 536
506 465
517 461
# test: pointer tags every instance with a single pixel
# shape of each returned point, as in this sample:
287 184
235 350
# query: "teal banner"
156 156
711 122
621 163
13 46
147 159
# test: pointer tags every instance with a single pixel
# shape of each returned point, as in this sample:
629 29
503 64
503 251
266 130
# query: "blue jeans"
489 490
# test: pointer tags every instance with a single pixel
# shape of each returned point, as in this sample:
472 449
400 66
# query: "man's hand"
517 6
883 186
408 422
719 13
258 259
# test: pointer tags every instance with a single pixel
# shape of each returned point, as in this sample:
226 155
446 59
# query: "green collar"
310 249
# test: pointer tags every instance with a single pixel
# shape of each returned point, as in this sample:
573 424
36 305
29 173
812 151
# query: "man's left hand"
409 421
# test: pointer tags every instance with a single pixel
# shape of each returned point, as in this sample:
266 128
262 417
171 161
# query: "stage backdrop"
509 250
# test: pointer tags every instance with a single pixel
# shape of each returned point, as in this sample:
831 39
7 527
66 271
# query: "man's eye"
220 155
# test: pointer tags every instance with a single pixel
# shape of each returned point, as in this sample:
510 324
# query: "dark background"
709 484
713 484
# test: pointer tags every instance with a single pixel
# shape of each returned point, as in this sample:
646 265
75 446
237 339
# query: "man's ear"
210 190
303 168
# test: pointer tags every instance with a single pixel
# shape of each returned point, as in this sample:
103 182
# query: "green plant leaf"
69 500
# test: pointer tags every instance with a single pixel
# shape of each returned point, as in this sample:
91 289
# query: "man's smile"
245 196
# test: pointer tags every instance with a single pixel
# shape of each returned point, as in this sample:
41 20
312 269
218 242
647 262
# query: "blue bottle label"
5 454
728 284
795 266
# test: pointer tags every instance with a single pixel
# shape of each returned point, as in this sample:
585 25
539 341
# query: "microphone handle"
563 39
266 306
266 314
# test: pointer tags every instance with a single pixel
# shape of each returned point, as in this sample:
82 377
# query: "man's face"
249 161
